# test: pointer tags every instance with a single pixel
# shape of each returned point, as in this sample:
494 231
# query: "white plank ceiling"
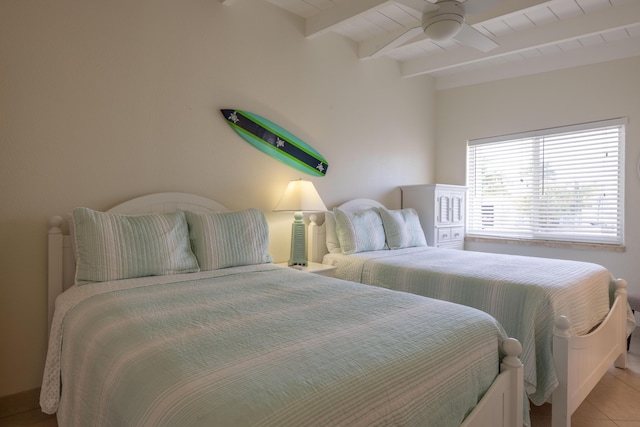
533 35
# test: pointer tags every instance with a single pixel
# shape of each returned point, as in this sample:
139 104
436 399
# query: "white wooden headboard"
318 233
61 261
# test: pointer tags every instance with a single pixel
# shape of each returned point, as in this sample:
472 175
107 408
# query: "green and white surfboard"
277 142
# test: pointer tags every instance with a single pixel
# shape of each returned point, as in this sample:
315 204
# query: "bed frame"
501 406
580 361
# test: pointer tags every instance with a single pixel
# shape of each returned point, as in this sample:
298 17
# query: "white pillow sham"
229 239
114 246
359 231
402 228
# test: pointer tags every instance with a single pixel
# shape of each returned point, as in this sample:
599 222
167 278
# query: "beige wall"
104 101
577 95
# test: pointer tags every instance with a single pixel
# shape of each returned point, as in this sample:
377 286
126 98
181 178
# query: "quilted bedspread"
525 294
263 345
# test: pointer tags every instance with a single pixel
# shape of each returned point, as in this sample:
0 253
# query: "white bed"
577 362
99 331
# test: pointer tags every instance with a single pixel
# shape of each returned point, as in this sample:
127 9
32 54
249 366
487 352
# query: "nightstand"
315 268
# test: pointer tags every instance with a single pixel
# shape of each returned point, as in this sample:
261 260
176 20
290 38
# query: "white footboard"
581 361
502 404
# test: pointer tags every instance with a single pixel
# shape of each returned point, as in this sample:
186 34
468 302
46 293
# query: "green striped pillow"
359 231
229 239
402 228
114 246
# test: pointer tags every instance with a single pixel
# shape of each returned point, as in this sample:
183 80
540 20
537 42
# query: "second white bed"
529 296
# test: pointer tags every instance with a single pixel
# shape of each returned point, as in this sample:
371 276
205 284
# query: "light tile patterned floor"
614 402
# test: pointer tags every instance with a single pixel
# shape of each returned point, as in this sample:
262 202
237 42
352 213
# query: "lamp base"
298 242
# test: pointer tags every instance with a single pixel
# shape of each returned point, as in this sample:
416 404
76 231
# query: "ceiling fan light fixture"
445 22
443 30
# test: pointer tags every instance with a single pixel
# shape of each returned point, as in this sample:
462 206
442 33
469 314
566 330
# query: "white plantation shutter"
563 184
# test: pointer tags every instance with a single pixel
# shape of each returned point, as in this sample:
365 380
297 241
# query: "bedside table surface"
312 267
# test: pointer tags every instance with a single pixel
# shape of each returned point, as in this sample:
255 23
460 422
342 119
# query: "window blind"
564 184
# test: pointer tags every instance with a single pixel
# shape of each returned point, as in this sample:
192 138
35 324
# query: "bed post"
503 404
55 271
621 295
511 362
560 414
316 240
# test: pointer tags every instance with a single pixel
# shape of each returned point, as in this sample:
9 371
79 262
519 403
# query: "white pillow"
333 244
229 239
359 231
402 228
114 246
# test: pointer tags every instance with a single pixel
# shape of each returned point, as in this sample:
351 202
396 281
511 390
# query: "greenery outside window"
562 184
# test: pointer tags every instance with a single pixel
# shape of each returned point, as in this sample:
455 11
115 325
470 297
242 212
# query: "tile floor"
615 402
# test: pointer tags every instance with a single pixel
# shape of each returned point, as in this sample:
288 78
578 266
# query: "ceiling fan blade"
474 7
386 44
469 36
422 6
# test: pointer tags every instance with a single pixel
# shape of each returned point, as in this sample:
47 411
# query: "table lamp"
300 196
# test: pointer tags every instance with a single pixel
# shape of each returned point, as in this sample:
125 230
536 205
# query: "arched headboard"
318 233
167 202
61 260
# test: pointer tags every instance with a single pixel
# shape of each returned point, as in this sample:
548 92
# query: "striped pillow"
359 231
113 246
229 239
402 228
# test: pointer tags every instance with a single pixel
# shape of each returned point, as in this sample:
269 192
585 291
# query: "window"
563 184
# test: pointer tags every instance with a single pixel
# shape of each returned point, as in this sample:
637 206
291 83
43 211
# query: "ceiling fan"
443 20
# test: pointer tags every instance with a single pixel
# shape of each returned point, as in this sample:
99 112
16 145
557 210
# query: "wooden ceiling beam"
608 19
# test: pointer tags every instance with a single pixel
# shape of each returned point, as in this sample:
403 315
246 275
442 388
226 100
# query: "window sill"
547 243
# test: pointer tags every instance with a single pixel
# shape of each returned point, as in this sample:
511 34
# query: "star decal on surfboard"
275 141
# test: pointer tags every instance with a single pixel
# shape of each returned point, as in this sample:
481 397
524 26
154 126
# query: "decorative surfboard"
277 142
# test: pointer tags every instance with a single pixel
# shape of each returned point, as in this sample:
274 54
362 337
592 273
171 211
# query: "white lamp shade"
300 196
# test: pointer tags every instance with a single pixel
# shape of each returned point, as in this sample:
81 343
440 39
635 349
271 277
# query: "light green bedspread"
525 294
263 345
